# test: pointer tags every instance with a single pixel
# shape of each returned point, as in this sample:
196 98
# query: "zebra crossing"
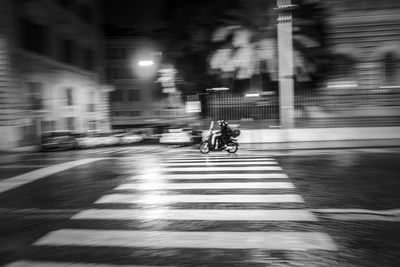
190 203
121 151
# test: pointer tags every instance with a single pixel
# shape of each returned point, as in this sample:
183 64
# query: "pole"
285 61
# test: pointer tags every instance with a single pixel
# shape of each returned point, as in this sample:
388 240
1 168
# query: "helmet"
222 123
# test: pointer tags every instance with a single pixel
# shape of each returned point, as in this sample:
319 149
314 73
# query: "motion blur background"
92 67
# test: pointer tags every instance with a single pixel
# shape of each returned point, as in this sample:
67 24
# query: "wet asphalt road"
347 202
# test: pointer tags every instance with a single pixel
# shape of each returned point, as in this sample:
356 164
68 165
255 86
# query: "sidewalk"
320 138
374 143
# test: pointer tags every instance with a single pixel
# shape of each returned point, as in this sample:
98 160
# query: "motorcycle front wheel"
232 147
204 148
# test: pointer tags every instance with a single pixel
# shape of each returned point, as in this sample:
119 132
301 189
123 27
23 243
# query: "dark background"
139 15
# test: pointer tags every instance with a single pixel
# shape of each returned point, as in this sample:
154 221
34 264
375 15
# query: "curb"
316 145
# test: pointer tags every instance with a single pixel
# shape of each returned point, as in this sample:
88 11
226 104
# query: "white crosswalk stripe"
242 160
182 239
226 185
195 176
120 150
66 264
213 163
159 186
187 214
232 169
181 158
168 199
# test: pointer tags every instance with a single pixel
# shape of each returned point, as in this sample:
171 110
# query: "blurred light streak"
389 87
252 95
345 84
218 89
145 63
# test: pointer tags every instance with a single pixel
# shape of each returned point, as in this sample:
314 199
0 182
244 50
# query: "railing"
348 108
313 108
249 112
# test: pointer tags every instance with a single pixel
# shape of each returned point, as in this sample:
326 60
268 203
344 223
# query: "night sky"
141 15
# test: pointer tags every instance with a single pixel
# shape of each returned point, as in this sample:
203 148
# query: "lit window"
35 95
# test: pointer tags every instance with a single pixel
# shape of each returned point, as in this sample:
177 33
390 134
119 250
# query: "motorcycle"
208 145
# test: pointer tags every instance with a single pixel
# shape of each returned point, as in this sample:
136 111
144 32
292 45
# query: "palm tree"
248 46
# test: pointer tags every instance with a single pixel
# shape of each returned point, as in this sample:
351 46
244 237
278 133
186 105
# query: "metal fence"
347 108
325 107
249 112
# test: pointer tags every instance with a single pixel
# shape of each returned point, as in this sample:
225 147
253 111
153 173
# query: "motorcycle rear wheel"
232 147
204 148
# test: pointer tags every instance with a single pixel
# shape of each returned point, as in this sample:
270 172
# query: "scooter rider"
224 134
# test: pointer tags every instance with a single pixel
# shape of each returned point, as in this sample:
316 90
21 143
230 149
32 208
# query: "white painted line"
166 199
65 264
363 217
195 176
219 163
199 155
301 241
23 166
394 212
217 160
392 215
49 159
232 169
13 182
178 186
196 214
246 158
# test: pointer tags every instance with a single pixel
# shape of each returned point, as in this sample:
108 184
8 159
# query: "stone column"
285 59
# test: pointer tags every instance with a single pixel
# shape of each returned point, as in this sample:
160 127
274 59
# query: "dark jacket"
226 132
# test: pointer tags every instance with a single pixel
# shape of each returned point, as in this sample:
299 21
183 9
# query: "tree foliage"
248 42
207 40
188 39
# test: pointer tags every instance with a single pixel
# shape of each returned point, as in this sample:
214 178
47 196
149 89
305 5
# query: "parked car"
129 138
180 136
107 139
85 141
97 139
60 140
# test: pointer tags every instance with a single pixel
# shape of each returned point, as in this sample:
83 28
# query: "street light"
266 93
218 89
145 63
252 95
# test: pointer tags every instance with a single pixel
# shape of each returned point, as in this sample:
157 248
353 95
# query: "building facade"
51 74
138 100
